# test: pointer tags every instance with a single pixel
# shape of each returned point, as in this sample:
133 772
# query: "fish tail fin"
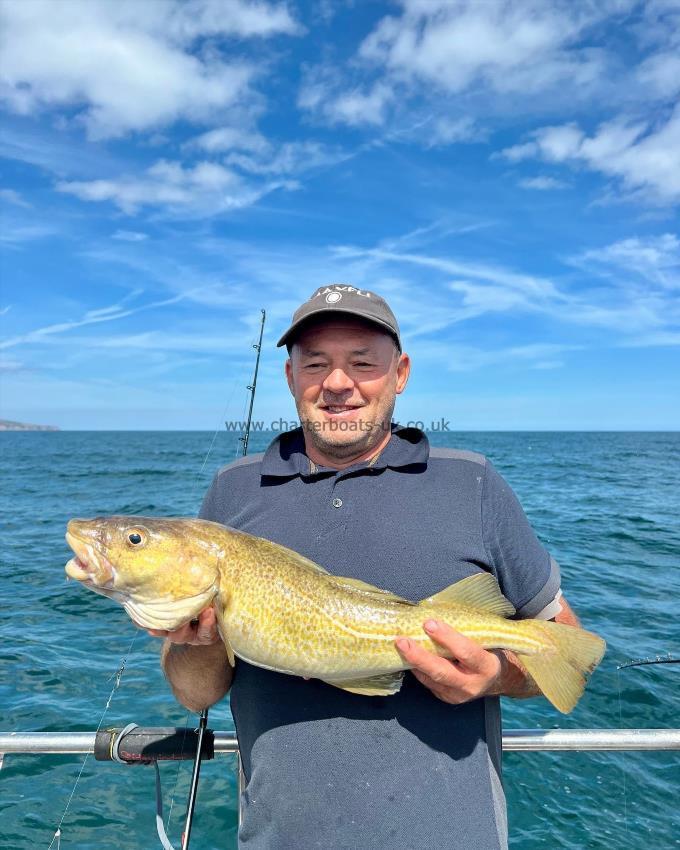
561 675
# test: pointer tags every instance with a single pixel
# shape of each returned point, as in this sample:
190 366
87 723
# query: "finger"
438 669
157 632
184 634
446 693
463 650
206 631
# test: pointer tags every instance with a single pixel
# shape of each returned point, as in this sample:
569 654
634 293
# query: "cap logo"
333 297
338 289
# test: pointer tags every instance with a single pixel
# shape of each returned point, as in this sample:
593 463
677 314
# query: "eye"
135 538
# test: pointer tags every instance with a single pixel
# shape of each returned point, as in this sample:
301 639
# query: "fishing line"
118 677
179 765
623 769
641 662
636 662
217 430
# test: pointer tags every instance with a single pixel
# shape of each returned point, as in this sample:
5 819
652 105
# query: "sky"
505 174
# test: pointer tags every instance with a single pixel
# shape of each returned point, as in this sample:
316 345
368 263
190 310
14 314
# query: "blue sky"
506 174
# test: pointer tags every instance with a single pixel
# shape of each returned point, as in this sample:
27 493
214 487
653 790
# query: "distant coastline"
7 425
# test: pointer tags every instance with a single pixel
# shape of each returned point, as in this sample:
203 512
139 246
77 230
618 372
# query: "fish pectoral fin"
222 630
230 651
376 686
371 590
478 591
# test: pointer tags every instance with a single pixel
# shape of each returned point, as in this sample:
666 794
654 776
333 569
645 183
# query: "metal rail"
514 740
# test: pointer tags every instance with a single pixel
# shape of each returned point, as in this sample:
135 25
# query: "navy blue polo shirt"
338 771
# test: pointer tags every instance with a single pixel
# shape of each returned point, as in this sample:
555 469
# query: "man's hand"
195 662
472 671
200 632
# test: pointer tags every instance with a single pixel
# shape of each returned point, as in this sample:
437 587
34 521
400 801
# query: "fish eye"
135 538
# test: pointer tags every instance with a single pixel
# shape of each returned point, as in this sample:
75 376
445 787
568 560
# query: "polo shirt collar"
285 456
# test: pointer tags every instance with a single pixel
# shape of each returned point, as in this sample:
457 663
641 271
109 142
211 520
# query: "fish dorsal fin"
369 590
376 686
478 591
302 562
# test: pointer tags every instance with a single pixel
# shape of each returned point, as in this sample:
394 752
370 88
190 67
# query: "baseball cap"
339 299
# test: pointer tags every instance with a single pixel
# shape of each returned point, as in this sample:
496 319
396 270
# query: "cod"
279 610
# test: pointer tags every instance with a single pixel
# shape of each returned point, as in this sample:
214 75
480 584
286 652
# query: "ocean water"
606 504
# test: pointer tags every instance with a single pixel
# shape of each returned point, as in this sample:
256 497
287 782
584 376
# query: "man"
367 499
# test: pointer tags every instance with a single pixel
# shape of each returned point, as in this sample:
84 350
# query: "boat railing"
514 740
153 744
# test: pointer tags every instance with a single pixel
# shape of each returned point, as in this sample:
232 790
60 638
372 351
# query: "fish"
278 610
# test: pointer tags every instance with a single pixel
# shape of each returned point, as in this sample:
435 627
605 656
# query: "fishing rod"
251 387
203 720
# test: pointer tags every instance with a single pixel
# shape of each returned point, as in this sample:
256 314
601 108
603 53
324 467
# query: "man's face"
344 377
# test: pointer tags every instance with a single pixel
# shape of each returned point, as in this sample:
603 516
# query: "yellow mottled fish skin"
279 614
278 610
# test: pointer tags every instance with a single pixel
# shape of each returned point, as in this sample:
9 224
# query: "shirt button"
337 503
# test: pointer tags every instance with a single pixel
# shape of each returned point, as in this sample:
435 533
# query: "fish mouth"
89 565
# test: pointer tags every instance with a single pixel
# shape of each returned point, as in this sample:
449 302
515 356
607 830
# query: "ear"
289 377
403 371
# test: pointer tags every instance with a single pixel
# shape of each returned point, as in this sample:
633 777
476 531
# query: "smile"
338 409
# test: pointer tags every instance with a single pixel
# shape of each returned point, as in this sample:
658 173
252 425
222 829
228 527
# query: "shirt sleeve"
527 574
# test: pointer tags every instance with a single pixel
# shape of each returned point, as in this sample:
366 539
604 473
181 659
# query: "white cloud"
251 152
101 314
656 259
435 231
542 183
627 306
532 355
447 131
190 19
661 73
287 158
228 139
129 236
644 157
128 66
361 105
531 285
658 338
16 233
553 143
205 188
13 197
441 49
10 364
504 44
169 341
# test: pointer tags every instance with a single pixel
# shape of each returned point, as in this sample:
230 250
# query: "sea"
607 505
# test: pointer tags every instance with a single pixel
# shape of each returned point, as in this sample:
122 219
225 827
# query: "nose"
338 381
